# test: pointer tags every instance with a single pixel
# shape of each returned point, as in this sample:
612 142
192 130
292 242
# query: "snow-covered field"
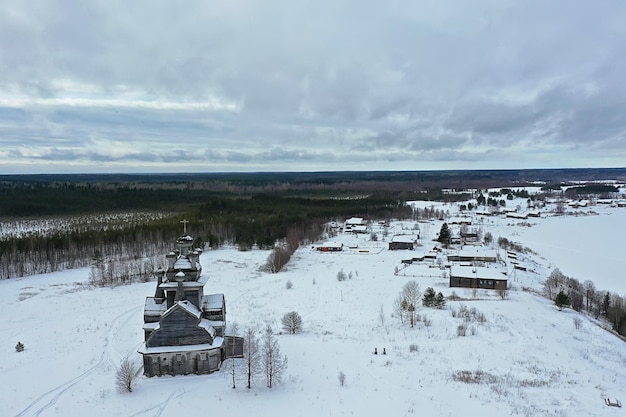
526 359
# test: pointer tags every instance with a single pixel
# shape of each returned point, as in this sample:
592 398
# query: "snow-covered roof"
515 215
354 220
476 272
213 302
151 326
217 343
404 239
208 326
332 244
186 284
217 323
187 306
460 220
154 306
182 263
473 252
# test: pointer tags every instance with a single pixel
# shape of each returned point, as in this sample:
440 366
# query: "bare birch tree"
292 322
252 356
234 362
406 303
274 364
126 375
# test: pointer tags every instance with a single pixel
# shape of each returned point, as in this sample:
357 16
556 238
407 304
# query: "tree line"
245 221
585 297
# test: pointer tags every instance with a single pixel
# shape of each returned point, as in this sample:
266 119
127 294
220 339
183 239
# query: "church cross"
184 222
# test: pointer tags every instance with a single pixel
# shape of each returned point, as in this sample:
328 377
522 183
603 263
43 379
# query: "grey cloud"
445 82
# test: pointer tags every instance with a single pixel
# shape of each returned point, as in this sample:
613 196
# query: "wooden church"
184 327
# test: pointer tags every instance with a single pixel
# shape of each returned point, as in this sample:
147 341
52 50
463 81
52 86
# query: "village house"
183 327
515 215
472 254
463 220
477 277
330 247
355 225
399 242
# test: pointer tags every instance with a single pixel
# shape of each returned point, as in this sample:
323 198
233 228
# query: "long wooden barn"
477 277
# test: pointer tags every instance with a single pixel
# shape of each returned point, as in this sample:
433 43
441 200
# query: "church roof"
182 263
208 326
188 307
213 302
153 307
151 326
186 284
217 343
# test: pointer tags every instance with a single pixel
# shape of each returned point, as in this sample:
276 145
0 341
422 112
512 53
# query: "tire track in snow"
161 407
49 398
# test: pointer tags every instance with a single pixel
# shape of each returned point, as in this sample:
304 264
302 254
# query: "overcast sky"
246 85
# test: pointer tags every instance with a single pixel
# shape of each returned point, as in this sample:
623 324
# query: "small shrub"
578 323
19 347
413 348
342 378
289 284
480 317
461 329
474 377
341 276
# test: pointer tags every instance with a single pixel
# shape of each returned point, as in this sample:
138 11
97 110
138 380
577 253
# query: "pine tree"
19 347
605 304
444 235
440 301
562 300
428 300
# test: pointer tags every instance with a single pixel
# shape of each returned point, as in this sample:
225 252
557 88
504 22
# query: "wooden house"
472 254
477 277
183 327
355 225
330 247
403 242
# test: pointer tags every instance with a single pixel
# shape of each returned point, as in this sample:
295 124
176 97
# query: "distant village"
468 259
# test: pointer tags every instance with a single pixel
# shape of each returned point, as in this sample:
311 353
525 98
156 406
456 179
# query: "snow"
527 356
477 272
